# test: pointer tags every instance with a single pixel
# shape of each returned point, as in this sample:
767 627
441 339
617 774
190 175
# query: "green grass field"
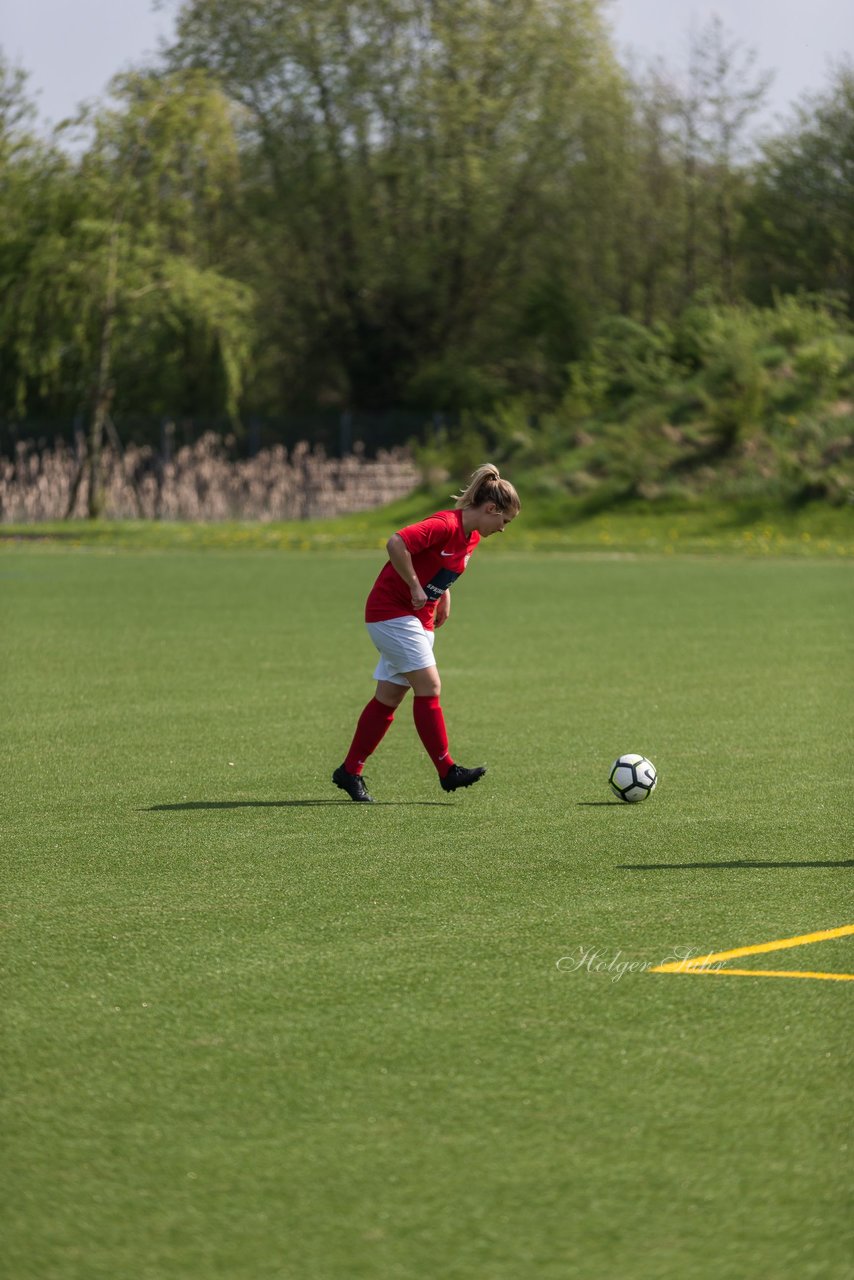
256 1032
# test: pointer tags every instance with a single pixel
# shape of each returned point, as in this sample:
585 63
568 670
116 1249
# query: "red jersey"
440 550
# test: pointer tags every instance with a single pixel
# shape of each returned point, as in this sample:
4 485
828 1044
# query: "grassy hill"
749 407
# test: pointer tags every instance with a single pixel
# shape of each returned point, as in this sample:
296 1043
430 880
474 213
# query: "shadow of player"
276 804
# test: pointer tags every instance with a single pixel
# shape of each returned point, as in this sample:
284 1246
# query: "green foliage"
414 154
119 258
734 382
800 319
798 228
626 359
428 206
736 402
820 362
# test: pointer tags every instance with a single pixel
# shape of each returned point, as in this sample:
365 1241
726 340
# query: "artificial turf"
254 1031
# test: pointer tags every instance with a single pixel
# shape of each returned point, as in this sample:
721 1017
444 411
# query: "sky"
73 47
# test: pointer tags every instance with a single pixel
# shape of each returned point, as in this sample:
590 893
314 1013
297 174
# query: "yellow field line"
762 973
699 964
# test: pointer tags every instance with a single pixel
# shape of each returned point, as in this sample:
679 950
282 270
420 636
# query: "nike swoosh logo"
446 553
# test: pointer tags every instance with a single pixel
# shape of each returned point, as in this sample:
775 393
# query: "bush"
796 320
820 362
735 382
736 403
626 360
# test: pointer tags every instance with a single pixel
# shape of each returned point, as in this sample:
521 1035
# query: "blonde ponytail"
486 485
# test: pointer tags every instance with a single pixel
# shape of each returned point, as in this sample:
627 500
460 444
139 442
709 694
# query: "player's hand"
419 599
443 611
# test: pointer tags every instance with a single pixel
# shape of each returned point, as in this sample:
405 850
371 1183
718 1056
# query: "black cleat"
457 776
353 784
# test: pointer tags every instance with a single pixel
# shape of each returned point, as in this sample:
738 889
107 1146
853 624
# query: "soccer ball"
632 777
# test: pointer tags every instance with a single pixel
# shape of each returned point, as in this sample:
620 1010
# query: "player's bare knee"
425 682
391 695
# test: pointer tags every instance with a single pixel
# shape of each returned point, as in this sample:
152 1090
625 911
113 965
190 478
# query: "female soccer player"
410 597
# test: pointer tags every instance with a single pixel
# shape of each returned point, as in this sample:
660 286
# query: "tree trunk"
80 453
95 507
725 240
101 408
103 390
690 248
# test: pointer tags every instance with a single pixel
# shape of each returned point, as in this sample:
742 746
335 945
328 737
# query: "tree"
799 217
16 109
125 262
732 93
650 201
722 94
33 180
411 149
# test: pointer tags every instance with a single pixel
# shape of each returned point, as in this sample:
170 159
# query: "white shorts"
404 645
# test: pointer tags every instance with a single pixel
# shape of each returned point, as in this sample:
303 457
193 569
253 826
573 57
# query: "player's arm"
401 561
443 608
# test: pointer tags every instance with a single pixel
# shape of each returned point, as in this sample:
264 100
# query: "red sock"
374 724
430 724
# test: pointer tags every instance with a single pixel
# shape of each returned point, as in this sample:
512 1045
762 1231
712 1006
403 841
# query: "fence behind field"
202 481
